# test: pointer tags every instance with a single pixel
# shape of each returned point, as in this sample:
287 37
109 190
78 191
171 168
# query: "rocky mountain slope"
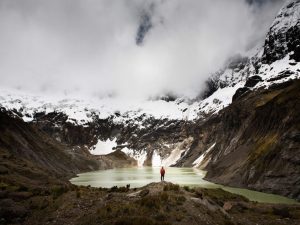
37 148
30 155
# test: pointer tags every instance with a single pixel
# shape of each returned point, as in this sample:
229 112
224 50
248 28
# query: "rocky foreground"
156 203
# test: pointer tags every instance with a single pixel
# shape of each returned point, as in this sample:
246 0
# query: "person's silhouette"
162 173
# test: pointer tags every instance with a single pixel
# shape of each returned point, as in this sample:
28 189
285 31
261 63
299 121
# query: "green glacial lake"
140 176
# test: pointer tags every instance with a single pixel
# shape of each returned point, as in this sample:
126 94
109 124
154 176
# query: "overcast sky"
129 48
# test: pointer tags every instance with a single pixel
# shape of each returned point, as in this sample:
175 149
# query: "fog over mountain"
128 48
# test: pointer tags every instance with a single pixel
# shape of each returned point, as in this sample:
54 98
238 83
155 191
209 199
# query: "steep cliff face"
254 142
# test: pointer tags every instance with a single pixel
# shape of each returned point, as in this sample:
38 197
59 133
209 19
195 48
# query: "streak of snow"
156 160
81 111
268 72
173 157
199 160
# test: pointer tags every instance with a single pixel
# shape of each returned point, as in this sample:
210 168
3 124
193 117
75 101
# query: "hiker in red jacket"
162 173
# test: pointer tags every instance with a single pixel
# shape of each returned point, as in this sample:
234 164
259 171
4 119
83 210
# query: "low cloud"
129 48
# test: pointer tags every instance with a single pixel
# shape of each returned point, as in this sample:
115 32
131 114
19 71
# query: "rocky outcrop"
252 81
240 92
117 159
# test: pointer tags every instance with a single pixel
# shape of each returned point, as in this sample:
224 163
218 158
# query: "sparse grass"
8 187
228 222
171 187
57 191
178 216
38 202
187 188
22 188
118 189
151 202
180 199
139 221
3 186
164 196
283 212
220 196
78 194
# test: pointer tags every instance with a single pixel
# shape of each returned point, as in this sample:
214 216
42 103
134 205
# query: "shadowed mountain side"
254 142
33 155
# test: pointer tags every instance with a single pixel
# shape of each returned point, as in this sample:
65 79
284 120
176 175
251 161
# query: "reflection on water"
140 176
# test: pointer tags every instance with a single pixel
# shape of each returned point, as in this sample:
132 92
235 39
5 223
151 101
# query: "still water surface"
138 177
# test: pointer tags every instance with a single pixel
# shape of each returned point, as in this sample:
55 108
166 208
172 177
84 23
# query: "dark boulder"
281 75
252 81
240 92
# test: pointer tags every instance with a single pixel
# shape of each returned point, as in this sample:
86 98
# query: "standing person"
162 173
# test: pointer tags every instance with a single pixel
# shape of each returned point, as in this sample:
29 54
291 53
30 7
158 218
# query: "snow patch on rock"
271 73
219 99
104 147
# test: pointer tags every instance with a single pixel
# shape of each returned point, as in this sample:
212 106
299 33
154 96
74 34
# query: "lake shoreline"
144 175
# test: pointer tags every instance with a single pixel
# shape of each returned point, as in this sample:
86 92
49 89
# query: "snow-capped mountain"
81 112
